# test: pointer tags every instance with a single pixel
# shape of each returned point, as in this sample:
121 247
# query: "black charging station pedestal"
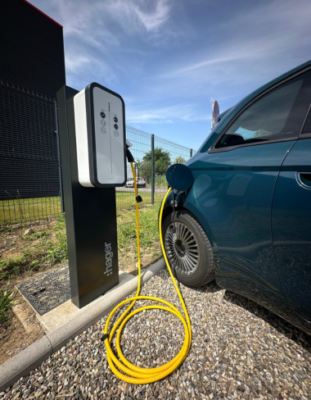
91 220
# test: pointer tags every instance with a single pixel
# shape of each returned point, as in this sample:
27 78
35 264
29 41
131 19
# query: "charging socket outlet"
99 116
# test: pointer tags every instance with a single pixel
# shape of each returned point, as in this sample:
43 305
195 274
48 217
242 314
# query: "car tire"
188 249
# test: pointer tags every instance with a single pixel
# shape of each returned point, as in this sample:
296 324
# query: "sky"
170 59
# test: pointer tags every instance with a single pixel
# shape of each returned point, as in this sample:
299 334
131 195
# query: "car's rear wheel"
188 249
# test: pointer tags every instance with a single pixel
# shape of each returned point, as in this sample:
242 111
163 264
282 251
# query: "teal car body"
252 196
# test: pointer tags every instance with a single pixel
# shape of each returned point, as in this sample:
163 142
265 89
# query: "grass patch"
6 304
49 249
149 237
47 245
127 199
24 210
148 226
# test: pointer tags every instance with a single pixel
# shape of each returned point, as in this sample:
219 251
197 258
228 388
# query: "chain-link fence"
30 178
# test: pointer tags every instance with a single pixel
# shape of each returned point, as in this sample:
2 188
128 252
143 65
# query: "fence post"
152 170
59 160
191 153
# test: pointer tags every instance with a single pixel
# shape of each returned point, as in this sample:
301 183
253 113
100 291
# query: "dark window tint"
307 125
277 115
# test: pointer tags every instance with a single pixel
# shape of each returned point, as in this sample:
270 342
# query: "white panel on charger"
100 137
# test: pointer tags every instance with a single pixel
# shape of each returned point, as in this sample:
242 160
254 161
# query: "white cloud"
76 64
156 54
95 19
153 21
104 34
252 47
192 68
135 15
169 114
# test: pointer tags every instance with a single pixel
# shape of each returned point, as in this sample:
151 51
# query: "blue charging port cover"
180 177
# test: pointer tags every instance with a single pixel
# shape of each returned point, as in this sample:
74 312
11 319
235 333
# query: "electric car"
246 220
130 182
139 181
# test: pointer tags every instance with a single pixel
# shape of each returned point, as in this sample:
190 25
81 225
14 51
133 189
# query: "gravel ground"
239 350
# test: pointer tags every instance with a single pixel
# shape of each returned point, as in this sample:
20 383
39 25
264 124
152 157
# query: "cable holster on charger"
139 199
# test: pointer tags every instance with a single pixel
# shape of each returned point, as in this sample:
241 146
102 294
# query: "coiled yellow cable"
133 373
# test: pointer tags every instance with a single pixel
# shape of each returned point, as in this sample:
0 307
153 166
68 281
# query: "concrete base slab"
32 357
48 290
66 311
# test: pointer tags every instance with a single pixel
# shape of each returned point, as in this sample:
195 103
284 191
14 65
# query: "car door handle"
304 179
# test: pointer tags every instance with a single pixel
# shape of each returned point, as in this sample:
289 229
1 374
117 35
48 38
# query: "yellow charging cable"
133 373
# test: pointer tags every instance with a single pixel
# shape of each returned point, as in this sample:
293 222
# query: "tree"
162 161
179 160
138 165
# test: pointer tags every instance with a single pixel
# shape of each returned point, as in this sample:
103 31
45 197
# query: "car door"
234 182
291 224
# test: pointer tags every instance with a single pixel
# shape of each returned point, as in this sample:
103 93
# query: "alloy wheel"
181 248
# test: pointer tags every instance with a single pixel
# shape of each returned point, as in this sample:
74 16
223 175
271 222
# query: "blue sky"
169 59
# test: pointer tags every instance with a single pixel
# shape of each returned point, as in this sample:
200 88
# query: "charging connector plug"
129 156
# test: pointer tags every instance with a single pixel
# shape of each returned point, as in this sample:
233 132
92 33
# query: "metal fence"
29 203
29 160
153 155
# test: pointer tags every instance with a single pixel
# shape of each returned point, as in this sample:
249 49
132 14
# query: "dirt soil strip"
239 351
21 332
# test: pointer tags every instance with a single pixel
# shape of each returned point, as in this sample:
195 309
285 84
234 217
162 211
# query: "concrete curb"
32 357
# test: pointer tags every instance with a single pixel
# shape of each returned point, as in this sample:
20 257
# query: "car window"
307 125
277 115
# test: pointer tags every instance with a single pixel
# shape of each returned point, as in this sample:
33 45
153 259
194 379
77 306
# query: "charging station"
93 150
93 154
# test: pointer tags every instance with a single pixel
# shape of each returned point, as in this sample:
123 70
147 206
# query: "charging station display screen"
100 137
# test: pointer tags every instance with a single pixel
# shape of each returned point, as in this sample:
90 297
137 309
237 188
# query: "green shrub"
45 253
38 235
11 266
61 222
58 252
160 181
6 304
